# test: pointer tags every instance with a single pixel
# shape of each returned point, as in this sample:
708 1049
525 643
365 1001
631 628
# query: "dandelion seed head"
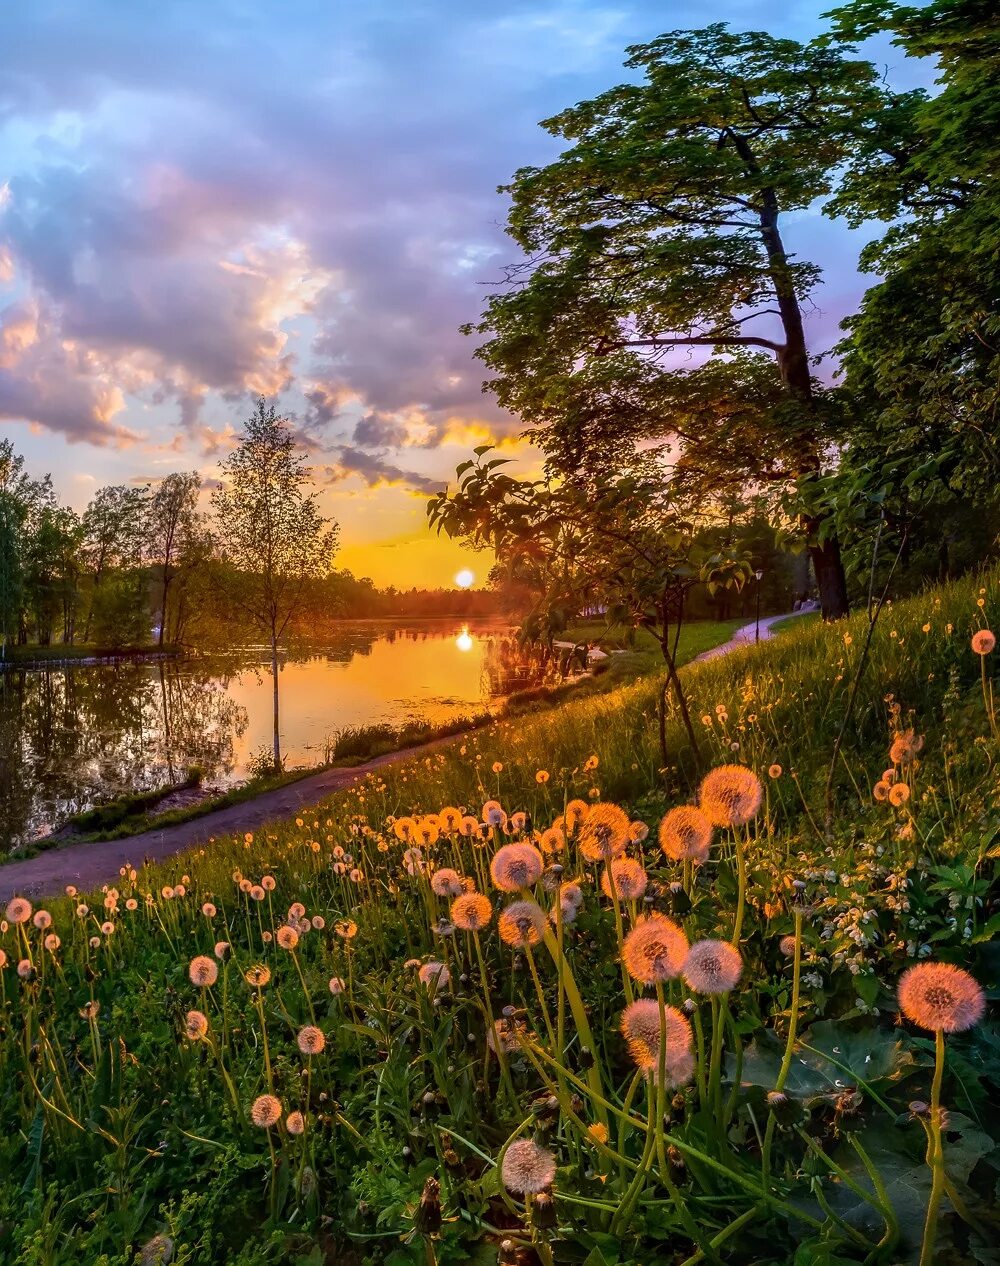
983 642
713 967
625 879
295 1123
42 919
527 1168
19 909
336 985
899 793
516 866
203 971
941 996
730 795
310 1040
287 937
266 1111
604 832
685 834
521 923
196 1025
654 950
640 1027
447 882
471 911
258 975
434 976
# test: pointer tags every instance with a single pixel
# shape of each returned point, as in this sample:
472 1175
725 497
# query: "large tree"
659 229
270 531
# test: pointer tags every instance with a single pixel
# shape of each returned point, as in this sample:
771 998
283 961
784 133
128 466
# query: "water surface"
73 735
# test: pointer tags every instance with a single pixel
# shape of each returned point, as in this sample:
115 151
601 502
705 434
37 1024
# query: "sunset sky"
210 199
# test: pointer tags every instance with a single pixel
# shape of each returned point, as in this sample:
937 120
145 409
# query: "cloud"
376 472
180 232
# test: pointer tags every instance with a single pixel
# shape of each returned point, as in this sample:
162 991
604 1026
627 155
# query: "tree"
621 544
113 526
270 531
171 520
11 571
659 229
922 356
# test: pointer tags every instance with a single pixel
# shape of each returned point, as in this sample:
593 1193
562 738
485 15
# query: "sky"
206 200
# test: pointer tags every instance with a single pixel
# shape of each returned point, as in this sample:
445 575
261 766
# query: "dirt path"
87 866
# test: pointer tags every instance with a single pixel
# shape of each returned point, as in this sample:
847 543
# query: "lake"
72 735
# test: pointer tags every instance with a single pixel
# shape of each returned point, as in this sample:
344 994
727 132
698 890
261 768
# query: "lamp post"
759 574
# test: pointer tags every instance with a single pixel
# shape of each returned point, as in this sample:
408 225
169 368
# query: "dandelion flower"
208 910
295 1123
266 1111
493 813
42 919
941 996
590 763
346 928
516 866
629 879
542 777
730 795
287 937
310 1040
296 910
451 820
447 882
881 790
774 771
471 911
686 834
52 942
527 1168
196 1025
521 923
654 950
598 1132
203 971
434 976
712 966
604 832
983 642
258 975
640 1027
552 840
19 910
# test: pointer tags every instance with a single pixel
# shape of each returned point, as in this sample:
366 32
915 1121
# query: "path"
87 866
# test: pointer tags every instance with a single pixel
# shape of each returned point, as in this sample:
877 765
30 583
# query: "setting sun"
465 578
464 641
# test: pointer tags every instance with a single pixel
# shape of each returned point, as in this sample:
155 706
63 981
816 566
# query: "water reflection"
70 736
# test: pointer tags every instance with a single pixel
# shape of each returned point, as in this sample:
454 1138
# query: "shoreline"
87 866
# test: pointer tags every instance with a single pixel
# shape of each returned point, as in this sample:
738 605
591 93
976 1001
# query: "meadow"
541 996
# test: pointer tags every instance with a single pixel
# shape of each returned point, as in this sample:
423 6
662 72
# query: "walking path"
87 866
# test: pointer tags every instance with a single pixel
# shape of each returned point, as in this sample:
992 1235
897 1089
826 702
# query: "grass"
792 1134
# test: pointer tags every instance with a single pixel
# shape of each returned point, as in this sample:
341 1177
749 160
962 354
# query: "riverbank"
82 656
89 864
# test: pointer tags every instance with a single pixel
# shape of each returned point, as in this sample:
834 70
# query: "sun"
465 640
465 579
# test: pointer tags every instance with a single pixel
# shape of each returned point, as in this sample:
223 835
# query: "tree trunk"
793 366
274 679
831 582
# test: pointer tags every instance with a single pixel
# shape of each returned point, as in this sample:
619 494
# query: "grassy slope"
781 702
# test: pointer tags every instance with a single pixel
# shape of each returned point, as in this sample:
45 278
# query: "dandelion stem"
935 1154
